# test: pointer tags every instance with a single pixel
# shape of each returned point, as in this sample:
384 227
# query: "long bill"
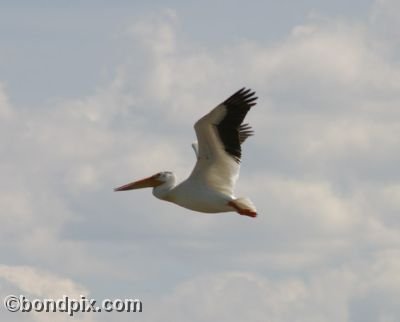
144 183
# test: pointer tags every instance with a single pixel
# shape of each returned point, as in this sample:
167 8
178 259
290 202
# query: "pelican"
209 188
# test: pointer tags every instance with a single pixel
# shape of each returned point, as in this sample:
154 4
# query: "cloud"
343 294
34 284
40 283
385 24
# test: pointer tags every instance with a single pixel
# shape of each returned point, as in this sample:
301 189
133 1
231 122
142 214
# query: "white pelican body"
209 188
197 196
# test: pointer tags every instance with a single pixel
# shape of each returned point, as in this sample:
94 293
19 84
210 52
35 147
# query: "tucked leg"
242 211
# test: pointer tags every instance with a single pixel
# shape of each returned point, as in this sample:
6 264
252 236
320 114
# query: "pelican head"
154 181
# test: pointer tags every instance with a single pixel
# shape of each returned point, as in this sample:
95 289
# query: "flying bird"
209 188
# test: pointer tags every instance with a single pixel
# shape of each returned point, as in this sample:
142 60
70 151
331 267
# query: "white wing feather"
214 167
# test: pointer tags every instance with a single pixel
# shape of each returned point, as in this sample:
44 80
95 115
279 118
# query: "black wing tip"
244 96
245 131
231 130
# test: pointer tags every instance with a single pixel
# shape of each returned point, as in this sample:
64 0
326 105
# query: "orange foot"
248 212
241 211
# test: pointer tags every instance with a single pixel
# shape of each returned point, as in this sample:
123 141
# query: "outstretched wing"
245 131
220 134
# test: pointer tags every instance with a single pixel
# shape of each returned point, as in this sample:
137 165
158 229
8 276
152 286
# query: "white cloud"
326 295
385 23
39 284
313 205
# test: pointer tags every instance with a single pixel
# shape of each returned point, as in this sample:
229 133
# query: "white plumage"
210 186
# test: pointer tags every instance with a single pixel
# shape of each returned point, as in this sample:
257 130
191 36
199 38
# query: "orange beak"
144 183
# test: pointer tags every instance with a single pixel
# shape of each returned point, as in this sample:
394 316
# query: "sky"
95 94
